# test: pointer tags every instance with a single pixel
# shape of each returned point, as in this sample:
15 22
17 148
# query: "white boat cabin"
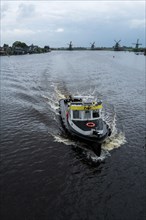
85 111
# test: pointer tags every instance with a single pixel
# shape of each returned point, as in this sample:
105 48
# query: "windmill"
92 45
137 45
70 45
117 45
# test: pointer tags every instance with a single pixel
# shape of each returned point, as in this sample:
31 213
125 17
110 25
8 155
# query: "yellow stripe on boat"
83 107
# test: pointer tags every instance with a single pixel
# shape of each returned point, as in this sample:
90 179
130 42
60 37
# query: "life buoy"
90 124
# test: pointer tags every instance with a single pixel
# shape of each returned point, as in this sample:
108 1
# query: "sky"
56 23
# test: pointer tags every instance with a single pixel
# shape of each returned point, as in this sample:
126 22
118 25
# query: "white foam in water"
54 105
53 99
59 94
89 153
60 139
92 156
110 144
63 140
115 141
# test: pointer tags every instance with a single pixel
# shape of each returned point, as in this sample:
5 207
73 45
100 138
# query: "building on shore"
20 48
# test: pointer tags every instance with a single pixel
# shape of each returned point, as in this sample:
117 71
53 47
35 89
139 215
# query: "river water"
47 176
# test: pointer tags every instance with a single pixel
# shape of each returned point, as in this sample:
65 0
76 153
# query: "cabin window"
95 114
75 114
87 114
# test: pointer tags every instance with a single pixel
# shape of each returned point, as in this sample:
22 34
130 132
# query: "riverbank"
21 48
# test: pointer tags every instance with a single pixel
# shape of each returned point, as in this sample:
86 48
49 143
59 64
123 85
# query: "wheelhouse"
84 112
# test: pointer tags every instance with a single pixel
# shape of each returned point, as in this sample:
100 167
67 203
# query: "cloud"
59 30
79 21
4 10
18 34
25 10
137 23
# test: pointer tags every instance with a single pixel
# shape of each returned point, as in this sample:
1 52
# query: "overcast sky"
56 23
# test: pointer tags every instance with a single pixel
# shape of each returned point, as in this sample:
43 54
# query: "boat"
82 117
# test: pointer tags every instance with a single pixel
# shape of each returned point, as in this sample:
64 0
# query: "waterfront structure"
20 48
137 49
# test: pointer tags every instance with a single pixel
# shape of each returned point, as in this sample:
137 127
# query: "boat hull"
98 139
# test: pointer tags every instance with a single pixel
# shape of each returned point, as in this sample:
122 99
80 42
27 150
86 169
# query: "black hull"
87 139
97 140
90 143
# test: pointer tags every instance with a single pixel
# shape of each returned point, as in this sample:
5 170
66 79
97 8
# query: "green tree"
19 44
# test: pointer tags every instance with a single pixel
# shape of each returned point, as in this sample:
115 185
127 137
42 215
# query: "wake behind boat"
82 117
